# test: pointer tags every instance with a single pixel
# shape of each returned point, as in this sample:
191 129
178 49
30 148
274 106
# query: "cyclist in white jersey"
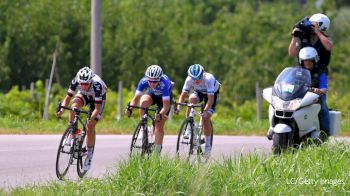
205 88
91 90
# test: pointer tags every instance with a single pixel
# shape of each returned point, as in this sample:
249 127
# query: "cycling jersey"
96 92
162 90
209 85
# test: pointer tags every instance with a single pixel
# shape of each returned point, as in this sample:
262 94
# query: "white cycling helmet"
322 21
308 53
85 75
195 71
154 72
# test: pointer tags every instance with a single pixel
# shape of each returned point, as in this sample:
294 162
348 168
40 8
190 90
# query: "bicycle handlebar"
191 105
75 110
143 108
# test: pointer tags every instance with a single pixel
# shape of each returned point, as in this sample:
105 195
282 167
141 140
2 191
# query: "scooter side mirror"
267 94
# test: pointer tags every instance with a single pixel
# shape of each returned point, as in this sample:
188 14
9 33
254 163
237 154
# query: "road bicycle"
72 147
142 141
189 141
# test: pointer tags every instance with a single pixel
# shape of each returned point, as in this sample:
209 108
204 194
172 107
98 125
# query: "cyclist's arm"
135 100
65 103
140 87
182 98
66 100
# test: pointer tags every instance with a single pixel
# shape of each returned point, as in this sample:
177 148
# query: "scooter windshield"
292 83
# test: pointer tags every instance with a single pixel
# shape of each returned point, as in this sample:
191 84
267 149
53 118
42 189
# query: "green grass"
311 171
222 126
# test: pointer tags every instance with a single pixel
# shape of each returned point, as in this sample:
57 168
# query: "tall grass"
312 171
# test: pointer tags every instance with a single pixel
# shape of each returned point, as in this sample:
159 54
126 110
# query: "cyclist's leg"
207 126
78 102
159 125
90 131
193 98
95 116
146 101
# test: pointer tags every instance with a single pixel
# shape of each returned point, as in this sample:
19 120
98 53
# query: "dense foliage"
241 42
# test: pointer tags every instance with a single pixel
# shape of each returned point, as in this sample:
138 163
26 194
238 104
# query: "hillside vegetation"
240 42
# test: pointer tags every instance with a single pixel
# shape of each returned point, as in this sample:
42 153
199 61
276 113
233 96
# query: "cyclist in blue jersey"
205 88
157 90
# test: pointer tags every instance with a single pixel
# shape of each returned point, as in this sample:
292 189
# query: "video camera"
304 31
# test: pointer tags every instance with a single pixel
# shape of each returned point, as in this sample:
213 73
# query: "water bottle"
78 135
150 134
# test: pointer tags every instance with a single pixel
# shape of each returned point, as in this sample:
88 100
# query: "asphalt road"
30 159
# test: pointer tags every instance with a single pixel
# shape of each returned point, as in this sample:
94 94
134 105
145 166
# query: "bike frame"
196 132
76 150
144 124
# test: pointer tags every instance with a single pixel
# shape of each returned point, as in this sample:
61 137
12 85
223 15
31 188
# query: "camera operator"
311 32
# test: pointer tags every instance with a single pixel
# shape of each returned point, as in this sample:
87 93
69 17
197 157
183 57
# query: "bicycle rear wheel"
139 141
184 146
64 154
82 155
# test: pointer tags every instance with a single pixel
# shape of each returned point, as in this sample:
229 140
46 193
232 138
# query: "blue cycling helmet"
195 71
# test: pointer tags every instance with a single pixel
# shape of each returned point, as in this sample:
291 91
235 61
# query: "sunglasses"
197 79
153 81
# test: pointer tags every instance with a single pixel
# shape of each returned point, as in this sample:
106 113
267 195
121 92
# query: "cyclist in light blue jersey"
157 90
205 88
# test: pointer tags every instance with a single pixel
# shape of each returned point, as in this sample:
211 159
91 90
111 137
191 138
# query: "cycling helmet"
85 75
154 72
195 71
308 53
322 21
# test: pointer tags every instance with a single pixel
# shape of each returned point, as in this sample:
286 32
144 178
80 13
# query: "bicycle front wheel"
139 141
64 154
202 140
184 146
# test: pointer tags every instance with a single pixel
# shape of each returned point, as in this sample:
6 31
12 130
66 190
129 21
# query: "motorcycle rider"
308 59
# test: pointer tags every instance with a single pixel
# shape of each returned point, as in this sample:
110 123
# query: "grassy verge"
224 126
314 171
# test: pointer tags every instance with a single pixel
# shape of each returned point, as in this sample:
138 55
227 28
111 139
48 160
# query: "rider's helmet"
154 72
308 53
85 75
195 71
322 21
